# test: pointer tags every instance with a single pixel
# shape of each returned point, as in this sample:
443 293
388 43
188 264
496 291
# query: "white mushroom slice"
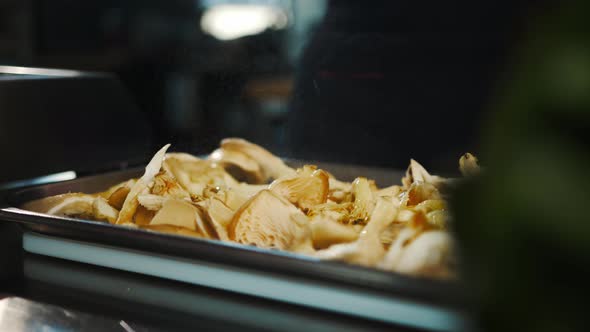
166 185
103 211
195 175
176 213
364 200
249 190
151 202
204 226
131 203
417 173
468 165
239 165
431 253
269 221
326 231
73 205
219 216
395 251
420 192
392 191
271 165
78 201
232 198
306 189
367 250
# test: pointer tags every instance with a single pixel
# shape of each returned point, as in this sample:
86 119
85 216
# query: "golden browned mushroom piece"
272 167
151 170
306 189
270 221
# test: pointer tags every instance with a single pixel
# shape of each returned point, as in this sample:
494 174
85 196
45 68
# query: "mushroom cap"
270 165
239 165
268 220
151 170
309 187
177 213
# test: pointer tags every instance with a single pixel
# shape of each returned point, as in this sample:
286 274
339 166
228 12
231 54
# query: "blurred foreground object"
523 226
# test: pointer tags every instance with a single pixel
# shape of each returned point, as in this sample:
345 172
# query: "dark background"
363 82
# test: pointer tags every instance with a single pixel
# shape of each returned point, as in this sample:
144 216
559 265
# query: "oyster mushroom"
165 184
177 213
151 170
195 175
430 253
218 215
270 221
417 173
364 200
306 189
367 250
62 205
75 205
270 165
102 210
326 231
239 165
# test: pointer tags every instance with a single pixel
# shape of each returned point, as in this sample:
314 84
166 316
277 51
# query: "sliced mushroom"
117 198
269 221
271 166
126 184
364 200
195 175
326 231
420 192
75 205
309 187
151 202
417 173
367 250
102 210
131 203
431 253
166 185
218 215
64 205
239 165
177 213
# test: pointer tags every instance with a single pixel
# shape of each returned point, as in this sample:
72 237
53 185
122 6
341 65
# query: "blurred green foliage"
524 225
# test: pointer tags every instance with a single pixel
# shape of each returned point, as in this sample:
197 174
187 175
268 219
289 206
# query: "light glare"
226 22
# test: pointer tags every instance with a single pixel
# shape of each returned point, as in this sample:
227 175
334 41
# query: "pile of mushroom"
245 194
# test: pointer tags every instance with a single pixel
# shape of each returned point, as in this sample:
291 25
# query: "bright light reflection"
38 71
227 22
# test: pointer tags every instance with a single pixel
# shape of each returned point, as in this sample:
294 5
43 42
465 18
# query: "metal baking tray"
296 279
